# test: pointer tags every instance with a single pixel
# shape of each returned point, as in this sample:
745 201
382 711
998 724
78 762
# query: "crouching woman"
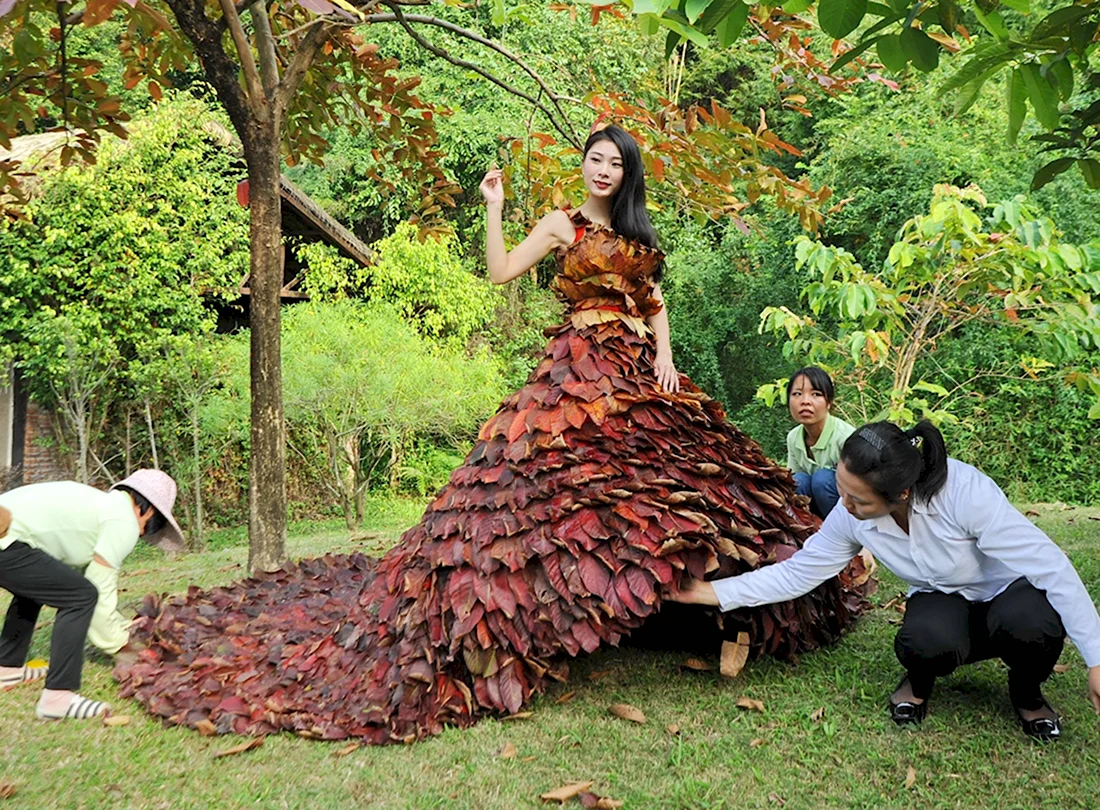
63 546
984 582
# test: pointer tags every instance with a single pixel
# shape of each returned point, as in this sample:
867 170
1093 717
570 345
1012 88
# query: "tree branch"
244 51
304 55
564 127
265 45
206 37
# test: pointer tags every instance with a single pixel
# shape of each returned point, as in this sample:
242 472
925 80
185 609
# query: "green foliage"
363 389
427 282
131 249
948 269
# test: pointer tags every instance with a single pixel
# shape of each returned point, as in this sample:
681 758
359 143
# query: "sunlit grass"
969 754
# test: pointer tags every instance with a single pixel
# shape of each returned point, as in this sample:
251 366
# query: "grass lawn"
969 754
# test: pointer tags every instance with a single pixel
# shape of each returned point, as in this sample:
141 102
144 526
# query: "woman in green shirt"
813 445
63 547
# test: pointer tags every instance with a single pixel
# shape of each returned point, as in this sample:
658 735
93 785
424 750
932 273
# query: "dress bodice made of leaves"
588 494
603 277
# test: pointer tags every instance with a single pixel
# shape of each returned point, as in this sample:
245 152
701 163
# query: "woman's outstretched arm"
552 231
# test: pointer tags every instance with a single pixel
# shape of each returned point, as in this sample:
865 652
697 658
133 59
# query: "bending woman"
984 582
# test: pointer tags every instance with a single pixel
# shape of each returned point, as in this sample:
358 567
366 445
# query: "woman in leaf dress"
602 483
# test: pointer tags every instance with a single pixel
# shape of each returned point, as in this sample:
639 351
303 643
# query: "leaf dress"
587 494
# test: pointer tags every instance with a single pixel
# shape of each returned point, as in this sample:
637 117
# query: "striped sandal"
27 674
80 708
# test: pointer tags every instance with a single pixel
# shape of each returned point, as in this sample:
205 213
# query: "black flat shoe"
908 714
1043 729
905 713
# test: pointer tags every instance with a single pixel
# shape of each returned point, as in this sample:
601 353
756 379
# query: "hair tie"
871 438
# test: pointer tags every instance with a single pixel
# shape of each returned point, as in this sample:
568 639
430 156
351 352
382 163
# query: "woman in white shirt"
984 582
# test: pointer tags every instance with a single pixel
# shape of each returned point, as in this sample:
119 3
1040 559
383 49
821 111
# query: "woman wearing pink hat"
61 545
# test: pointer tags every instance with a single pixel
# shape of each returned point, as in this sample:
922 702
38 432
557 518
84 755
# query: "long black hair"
892 460
628 215
819 380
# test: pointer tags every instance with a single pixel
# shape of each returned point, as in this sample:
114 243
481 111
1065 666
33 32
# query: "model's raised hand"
492 187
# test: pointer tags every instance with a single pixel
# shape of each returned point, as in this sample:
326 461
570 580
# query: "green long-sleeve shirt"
826 449
73 523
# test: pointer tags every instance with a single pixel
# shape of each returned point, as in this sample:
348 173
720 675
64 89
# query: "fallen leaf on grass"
591 800
696 664
566 792
116 720
1032 513
910 777
1061 668
759 741
529 759
7 789
817 714
256 742
507 752
350 748
568 696
775 798
627 712
206 728
673 729
599 674
734 655
517 716
750 704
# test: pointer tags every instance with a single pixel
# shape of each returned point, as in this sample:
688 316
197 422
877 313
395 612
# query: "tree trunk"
198 530
267 480
152 434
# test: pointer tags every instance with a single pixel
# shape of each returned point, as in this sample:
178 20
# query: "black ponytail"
892 460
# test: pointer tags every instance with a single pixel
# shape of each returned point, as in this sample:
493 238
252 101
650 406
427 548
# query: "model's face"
603 169
808 406
861 501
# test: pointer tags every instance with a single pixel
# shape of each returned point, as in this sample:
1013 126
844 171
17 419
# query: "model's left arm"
1006 535
664 368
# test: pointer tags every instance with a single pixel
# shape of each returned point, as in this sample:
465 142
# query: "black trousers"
943 631
34 579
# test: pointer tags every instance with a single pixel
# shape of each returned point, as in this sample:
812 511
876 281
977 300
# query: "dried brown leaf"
255 742
599 674
696 664
817 714
568 696
1062 668
595 802
627 712
1032 513
566 792
673 728
116 720
507 752
350 748
759 741
734 655
206 728
910 777
775 798
518 716
7 789
750 703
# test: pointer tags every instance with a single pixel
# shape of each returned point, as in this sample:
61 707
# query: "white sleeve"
1006 535
823 556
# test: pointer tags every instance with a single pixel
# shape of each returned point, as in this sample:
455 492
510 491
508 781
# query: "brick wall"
41 461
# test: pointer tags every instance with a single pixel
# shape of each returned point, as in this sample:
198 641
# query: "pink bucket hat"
160 490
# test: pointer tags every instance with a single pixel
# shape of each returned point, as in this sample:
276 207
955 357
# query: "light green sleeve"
793 456
109 630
